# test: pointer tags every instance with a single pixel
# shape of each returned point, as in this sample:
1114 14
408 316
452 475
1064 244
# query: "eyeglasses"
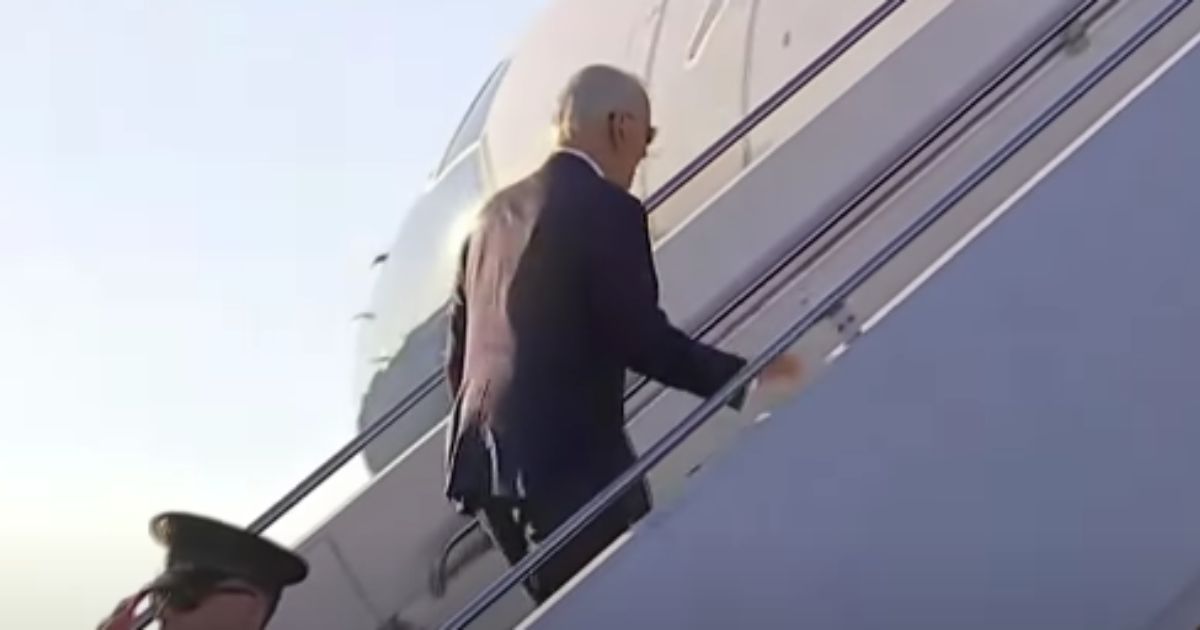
183 593
189 591
651 130
180 599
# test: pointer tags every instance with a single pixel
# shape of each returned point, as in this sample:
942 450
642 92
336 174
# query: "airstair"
980 241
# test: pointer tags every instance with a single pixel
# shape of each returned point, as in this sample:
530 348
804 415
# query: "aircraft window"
471 126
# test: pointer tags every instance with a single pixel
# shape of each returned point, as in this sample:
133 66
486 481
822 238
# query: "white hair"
592 94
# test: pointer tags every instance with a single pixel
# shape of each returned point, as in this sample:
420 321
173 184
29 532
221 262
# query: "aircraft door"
696 82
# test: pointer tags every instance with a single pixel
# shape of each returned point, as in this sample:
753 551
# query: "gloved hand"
122 617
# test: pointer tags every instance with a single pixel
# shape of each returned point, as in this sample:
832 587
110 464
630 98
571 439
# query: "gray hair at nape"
591 95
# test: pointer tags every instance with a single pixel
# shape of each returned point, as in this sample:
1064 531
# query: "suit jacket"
556 297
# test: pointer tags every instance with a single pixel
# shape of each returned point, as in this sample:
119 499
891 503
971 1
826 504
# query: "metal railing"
680 432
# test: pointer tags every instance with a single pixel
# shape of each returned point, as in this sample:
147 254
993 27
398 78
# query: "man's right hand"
785 371
122 616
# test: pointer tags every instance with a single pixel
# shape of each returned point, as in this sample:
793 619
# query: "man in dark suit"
555 299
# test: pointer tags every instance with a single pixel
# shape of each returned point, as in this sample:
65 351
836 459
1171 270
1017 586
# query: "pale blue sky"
190 195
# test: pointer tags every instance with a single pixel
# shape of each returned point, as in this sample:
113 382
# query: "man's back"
556 297
536 365
559 298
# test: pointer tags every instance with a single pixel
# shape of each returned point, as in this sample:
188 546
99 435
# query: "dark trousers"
517 526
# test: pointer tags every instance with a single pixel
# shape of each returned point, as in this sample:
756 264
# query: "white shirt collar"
585 157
